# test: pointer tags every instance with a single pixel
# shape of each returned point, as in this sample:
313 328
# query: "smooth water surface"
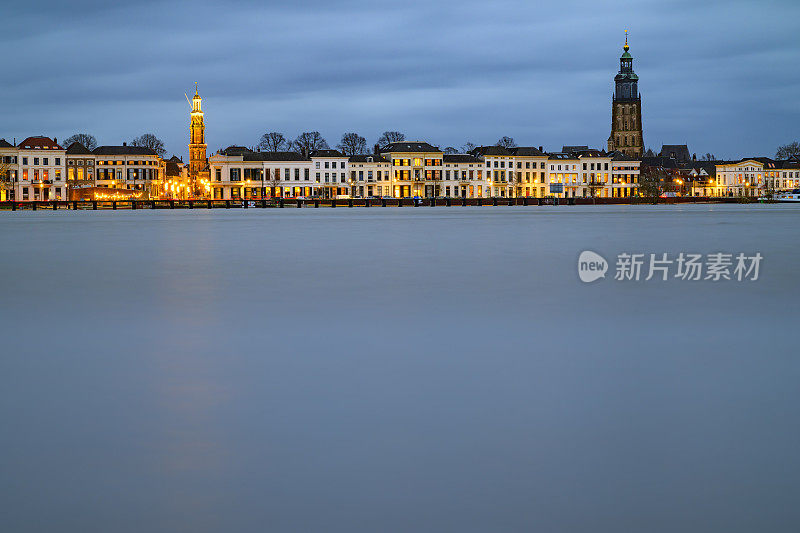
397 369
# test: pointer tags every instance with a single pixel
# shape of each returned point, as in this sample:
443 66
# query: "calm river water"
410 369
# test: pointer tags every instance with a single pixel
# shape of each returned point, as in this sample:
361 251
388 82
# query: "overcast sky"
722 76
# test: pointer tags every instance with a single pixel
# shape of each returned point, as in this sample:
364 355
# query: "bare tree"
86 139
352 144
506 142
517 184
788 150
436 183
309 141
708 157
450 150
148 140
769 188
594 185
468 147
274 179
651 181
388 137
272 142
6 179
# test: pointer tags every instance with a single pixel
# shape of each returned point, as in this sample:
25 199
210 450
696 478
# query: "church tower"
197 138
626 109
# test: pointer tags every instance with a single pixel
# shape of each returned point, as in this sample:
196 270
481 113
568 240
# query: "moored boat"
788 196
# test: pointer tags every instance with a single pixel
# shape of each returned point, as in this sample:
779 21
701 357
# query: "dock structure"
279 203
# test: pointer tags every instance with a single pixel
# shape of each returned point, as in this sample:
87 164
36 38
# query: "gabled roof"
527 151
235 150
42 143
766 161
77 148
404 146
5 144
461 158
760 160
662 162
700 167
619 156
562 157
327 153
491 151
576 148
273 156
173 168
788 164
123 150
679 152
591 152
368 158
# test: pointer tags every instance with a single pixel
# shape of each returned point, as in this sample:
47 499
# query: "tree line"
350 144
146 140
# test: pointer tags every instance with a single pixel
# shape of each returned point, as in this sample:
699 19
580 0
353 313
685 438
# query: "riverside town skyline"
308 167
356 267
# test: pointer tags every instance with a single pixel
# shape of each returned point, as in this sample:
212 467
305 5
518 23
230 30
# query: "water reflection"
394 370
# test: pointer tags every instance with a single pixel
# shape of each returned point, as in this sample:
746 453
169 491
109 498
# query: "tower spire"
197 137
195 83
626 111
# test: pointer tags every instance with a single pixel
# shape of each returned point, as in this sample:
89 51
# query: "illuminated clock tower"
197 138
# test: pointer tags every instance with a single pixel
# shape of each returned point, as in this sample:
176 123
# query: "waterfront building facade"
624 175
370 175
499 165
41 170
781 175
9 166
80 166
330 175
133 168
240 173
741 178
416 167
530 174
463 176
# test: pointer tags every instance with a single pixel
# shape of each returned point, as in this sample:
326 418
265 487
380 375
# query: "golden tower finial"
626 41
195 83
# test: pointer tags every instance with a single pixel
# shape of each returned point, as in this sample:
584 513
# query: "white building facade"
41 173
133 168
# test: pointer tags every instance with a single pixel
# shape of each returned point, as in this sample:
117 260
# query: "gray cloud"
717 75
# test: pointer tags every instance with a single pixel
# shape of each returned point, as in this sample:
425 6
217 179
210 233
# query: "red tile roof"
39 143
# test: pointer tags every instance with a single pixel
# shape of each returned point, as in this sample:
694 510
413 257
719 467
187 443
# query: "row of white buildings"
409 169
746 177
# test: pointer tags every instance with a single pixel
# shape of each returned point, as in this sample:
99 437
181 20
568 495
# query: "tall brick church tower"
626 109
197 138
